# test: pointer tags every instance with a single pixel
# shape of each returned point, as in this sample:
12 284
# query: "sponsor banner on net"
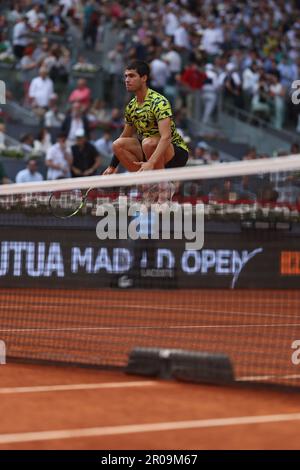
295 358
2 352
156 221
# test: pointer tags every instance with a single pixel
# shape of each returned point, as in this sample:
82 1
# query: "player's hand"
110 170
145 166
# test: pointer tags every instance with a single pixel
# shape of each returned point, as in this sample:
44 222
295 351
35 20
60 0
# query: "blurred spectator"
57 64
40 91
214 157
81 94
249 83
261 103
27 141
116 119
74 121
41 51
212 38
233 85
192 79
43 141
20 36
67 7
116 65
104 145
288 72
86 159
201 153
35 15
251 154
56 22
15 12
30 173
4 43
91 23
277 92
28 66
181 119
2 136
159 74
99 115
224 190
3 178
53 117
59 159
181 37
170 19
174 61
209 93
295 148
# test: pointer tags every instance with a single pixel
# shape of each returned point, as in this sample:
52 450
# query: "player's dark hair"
141 67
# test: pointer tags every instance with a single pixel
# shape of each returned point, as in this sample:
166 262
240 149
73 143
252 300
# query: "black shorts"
180 158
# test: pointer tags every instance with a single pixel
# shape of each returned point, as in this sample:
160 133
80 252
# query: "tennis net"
88 275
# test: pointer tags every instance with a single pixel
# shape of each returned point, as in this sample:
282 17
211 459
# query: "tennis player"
149 140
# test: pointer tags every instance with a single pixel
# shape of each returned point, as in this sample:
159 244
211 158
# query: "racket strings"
64 204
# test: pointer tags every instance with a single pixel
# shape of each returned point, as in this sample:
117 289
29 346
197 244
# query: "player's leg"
160 192
174 157
149 145
128 150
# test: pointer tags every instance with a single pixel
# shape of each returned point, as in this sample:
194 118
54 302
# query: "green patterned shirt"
145 117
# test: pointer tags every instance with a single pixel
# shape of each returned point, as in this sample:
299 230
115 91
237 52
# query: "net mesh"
125 271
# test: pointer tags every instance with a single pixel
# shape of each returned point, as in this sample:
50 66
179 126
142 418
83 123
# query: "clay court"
50 407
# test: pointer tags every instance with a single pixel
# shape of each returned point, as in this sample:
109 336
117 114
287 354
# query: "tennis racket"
66 204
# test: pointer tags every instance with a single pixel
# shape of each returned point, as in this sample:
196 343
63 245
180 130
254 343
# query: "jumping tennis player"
149 140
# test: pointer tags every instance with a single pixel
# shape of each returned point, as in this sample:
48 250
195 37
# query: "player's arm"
128 131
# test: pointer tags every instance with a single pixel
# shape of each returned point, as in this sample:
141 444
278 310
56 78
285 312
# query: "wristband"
114 162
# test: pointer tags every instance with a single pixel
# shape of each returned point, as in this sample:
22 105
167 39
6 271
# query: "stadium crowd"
247 53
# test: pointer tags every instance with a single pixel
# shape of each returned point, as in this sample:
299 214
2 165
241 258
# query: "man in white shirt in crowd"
170 20
250 81
59 160
174 60
212 38
20 36
182 37
35 15
40 90
159 74
29 174
209 93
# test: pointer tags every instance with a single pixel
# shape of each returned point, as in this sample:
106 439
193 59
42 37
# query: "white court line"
213 311
117 385
104 302
144 428
72 387
254 378
134 327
